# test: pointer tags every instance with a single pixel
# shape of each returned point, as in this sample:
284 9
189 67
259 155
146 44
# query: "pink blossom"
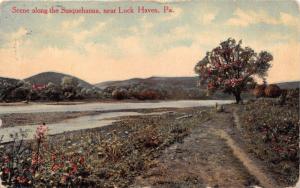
6 170
35 159
218 65
55 167
81 160
41 131
210 86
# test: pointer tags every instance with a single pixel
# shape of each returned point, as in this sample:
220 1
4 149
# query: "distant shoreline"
23 103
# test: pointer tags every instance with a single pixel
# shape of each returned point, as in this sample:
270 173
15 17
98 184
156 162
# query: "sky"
102 47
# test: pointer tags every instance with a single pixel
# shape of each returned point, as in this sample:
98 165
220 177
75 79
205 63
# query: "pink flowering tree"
231 68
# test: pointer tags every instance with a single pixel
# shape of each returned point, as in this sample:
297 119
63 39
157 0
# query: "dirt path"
208 157
254 170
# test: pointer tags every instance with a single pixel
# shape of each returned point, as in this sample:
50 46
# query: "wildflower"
36 159
210 86
6 159
21 179
55 167
74 168
6 170
41 131
81 160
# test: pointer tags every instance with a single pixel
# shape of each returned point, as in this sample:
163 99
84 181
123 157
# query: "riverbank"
114 106
77 102
21 119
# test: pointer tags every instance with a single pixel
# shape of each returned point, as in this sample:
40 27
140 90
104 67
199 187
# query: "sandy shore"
9 120
24 103
19 119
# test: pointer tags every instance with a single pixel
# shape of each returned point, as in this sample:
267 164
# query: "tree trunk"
238 98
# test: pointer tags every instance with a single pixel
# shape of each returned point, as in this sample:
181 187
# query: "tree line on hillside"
158 92
69 89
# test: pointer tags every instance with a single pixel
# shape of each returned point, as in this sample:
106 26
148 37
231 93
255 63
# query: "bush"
119 94
149 137
148 94
259 91
272 91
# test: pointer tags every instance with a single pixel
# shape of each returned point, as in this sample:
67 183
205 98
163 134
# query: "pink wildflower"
6 170
41 131
55 167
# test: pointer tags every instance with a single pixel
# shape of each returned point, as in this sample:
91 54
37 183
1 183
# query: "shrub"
149 137
259 91
113 149
148 94
272 90
119 94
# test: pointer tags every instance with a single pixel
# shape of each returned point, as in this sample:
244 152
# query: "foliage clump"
273 91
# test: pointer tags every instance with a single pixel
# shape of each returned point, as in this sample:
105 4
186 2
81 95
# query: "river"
88 122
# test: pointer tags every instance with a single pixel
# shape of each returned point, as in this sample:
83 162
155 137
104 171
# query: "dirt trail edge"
253 168
208 157
247 162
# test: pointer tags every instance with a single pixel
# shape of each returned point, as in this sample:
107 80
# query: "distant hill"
54 77
289 85
186 82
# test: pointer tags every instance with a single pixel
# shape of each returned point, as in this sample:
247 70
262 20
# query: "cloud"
144 26
169 39
19 34
244 18
208 17
129 47
70 24
289 20
82 35
16 40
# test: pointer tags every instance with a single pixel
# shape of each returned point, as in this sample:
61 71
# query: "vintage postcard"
149 93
